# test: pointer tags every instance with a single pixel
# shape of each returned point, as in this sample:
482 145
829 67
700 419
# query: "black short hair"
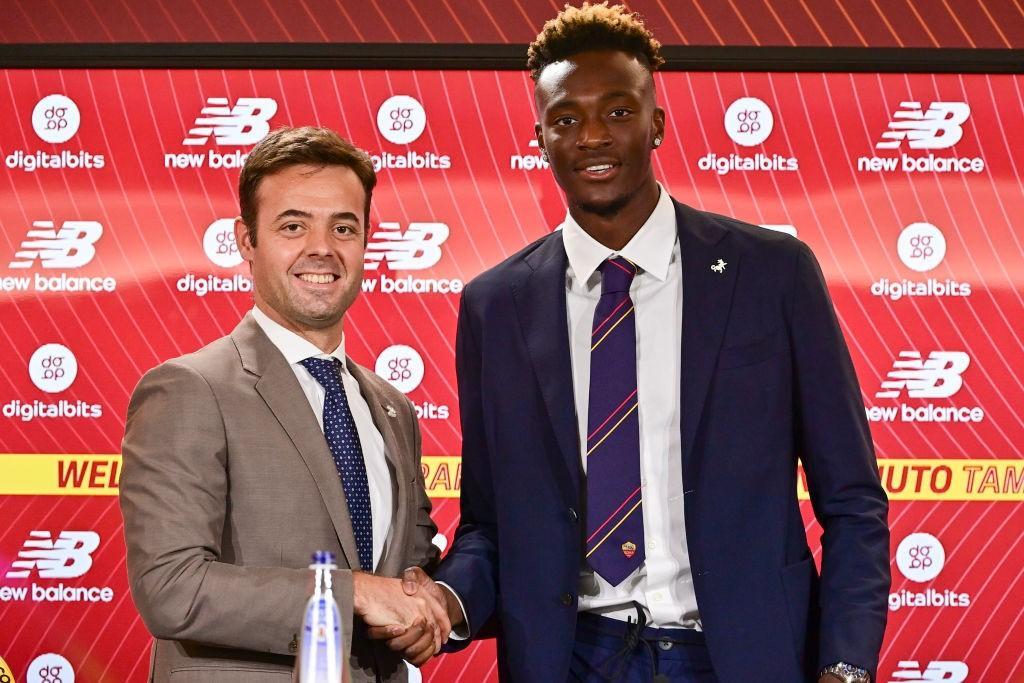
593 27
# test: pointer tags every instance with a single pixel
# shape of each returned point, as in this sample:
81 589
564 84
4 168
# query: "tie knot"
324 371
617 274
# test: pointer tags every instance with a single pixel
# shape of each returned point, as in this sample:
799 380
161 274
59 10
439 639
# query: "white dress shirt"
663 583
295 349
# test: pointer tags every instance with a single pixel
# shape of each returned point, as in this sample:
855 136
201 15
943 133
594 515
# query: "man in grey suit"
244 457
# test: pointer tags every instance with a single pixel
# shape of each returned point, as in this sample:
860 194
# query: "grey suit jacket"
227 488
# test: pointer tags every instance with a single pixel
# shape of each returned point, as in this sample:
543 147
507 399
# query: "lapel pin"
391 410
719 267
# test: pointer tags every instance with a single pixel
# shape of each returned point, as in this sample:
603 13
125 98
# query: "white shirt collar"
651 247
294 348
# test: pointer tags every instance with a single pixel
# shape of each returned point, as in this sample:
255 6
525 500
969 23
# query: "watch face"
848 673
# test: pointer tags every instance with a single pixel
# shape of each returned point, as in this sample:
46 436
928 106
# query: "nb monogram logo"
67 557
419 247
245 123
70 246
939 376
937 128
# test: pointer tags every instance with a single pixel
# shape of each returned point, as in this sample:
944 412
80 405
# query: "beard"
606 209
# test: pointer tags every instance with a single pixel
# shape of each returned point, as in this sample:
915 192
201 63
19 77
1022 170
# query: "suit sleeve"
174 494
835 446
424 553
471 566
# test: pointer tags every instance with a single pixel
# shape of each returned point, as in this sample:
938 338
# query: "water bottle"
321 656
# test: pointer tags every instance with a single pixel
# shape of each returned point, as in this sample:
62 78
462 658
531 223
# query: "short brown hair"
306 145
593 27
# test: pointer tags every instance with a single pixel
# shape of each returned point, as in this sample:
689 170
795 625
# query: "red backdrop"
826 23
926 268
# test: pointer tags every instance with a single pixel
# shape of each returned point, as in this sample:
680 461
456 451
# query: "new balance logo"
937 128
419 247
67 557
246 123
938 376
70 246
950 672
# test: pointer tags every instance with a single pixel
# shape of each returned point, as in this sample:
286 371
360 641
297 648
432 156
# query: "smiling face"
307 263
598 123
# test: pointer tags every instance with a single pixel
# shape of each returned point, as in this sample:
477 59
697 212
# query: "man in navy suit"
636 389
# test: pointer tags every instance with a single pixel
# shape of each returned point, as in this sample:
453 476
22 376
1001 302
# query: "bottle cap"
323 557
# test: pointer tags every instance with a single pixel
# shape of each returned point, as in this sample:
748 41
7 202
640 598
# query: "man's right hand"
414 580
416 625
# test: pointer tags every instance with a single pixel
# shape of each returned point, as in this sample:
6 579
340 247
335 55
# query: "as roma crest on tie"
629 549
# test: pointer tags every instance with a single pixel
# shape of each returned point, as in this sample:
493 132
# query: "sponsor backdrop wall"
116 197
855 23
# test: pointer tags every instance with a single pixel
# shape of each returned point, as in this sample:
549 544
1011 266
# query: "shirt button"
566 599
651 545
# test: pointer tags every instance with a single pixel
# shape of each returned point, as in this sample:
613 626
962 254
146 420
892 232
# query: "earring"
544 155
657 141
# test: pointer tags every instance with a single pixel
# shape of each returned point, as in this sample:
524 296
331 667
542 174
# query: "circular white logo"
920 557
921 246
401 366
50 668
219 243
56 118
401 119
53 368
749 121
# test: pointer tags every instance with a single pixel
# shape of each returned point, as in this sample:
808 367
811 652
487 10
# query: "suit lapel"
540 305
707 301
394 452
279 388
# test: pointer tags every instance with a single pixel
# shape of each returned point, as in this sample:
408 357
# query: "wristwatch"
847 673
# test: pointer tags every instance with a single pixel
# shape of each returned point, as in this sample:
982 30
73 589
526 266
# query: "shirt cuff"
458 632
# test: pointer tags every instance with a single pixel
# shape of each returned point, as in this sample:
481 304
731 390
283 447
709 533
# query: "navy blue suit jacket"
766 378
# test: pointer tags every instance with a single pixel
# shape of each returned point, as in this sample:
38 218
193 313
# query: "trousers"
610 650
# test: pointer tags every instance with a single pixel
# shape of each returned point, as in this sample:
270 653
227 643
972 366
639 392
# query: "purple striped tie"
615 520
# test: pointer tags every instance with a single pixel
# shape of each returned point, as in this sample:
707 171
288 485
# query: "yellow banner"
956 480
903 479
442 475
39 474
6 673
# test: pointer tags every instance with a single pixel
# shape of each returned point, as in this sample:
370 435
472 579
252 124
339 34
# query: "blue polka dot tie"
343 439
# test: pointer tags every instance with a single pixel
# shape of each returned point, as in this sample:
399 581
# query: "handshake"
413 614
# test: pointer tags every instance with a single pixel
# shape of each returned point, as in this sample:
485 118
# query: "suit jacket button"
566 599
573 517
293 646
